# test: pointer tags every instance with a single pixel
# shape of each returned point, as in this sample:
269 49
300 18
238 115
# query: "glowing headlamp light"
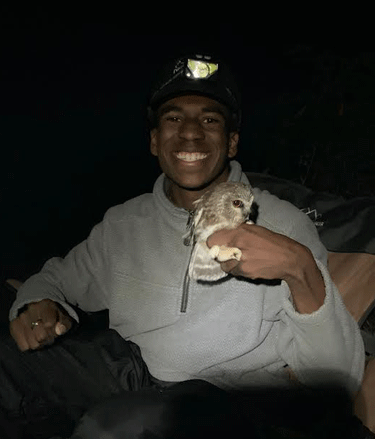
200 69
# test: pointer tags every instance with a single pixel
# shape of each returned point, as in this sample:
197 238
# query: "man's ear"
233 142
153 142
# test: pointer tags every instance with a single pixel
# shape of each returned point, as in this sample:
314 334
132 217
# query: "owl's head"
231 201
225 206
234 200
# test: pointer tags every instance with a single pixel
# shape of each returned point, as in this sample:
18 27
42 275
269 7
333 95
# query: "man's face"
191 141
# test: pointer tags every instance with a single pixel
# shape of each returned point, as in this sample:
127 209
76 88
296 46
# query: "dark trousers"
93 384
100 376
46 391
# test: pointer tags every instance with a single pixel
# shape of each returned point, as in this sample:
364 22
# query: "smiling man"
192 146
278 314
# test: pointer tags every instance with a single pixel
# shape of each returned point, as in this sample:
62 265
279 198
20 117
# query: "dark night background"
73 129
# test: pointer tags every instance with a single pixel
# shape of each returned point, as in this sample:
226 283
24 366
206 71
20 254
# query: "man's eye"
173 119
210 120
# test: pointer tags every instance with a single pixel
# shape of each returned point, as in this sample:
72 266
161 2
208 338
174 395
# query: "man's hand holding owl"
269 255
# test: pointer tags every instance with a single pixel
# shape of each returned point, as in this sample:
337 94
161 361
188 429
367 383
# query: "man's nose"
191 129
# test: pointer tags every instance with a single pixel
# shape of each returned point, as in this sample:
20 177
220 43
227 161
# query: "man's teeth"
191 156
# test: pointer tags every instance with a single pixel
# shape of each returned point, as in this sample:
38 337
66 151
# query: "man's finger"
26 331
35 333
32 342
64 323
60 329
44 312
222 237
230 266
18 334
40 332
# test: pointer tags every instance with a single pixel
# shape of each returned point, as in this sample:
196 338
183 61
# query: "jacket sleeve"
77 279
326 346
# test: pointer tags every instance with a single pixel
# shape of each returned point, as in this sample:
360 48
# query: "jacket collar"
162 200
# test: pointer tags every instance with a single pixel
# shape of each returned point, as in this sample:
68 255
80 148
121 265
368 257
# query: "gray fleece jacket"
234 333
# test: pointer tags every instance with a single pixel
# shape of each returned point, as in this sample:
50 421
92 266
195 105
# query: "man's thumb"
63 325
60 329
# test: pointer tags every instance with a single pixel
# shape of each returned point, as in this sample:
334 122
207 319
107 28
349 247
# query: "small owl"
226 206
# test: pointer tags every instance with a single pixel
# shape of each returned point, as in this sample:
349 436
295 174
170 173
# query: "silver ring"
37 323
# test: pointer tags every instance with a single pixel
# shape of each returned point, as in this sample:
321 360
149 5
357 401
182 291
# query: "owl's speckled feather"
226 206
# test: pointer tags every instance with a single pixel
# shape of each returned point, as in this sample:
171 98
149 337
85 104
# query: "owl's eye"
237 203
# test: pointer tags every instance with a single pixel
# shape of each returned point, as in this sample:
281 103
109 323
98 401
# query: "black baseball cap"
199 74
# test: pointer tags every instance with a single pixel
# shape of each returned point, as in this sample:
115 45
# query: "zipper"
185 291
186 284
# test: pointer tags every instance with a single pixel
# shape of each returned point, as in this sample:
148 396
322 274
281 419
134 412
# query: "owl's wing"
203 266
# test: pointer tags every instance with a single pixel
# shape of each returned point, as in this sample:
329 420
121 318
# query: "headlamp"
197 74
200 69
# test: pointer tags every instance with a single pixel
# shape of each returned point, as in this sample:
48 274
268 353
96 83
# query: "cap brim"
184 88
